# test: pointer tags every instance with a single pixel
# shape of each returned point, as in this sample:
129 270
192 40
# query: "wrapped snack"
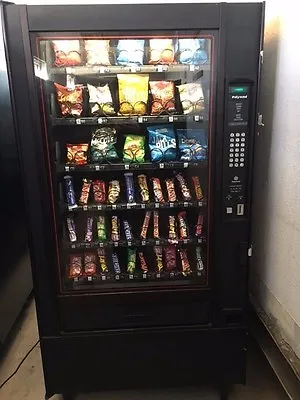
69 190
145 225
131 260
116 263
183 227
100 99
101 228
127 230
170 257
192 144
192 51
144 191
130 52
75 265
115 228
113 191
200 265
185 264
197 188
191 97
89 230
129 187
77 153
85 191
172 230
133 94
102 260
158 194
159 257
163 97
71 229
67 53
162 51
103 145
156 225
162 143
134 148
199 226
70 100
99 191
90 267
144 266
183 187
97 52
171 189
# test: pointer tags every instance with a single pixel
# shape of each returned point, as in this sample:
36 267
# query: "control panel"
235 164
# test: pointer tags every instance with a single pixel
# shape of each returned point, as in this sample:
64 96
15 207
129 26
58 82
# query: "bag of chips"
100 99
192 51
67 53
162 51
163 97
103 145
70 100
134 149
133 94
97 52
130 52
192 144
191 97
162 143
77 153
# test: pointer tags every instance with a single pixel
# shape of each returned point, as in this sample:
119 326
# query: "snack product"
185 264
134 149
131 260
113 191
158 194
145 225
116 263
75 265
100 100
89 264
172 237
162 51
183 187
183 227
163 97
102 260
129 187
192 144
89 229
71 229
67 53
170 257
133 94
191 97
130 52
144 266
162 143
144 191
85 191
77 153
159 259
69 190
99 191
155 224
103 145
171 189
97 52
192 51
200 265
115 228
197 188
69 100
101 228
127 230
199 225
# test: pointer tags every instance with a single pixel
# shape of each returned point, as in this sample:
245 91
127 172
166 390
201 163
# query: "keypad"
237 144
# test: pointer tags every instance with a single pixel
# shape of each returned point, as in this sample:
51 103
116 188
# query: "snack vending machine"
136 132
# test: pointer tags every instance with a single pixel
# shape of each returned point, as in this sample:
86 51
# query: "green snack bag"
101 231
131 261
134 149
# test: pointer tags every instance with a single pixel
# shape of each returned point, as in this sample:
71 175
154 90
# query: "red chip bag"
163 94
70 100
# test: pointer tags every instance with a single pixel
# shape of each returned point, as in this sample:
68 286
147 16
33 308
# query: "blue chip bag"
192 51
162 143
130 52
192 144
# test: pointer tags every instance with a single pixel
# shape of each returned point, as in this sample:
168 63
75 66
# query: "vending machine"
136 128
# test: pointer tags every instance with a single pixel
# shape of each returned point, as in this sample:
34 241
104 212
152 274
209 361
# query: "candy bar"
71 229
155 225
183 187
158 194
102 260
115 228
90 263
144 191
129 187
77 153
69 190
200 265
131 260
197 188
185 264
171 190
113 191
158 255
101 229
145 225
144 266
170 257
89 230
85 191
183 228
172 230
116 263
75 265
199 225
99 191
127 230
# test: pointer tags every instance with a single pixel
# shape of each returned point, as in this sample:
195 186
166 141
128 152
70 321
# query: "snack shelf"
137 206
134 243
145 119
132 166
117 69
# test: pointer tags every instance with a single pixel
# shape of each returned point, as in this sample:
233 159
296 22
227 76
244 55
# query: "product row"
136 189
167 259
126 52
161 143
131 95
102 229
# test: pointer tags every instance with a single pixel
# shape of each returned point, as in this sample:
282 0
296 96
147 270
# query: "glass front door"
128 133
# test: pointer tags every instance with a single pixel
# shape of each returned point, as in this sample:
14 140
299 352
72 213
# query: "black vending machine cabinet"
136 127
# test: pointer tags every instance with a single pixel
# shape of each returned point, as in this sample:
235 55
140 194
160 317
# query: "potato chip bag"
134 149
163 97
67 53
130 52
100 99
191 97
162 143
70 100
77 153
192 51
103 145
192 144
133 94
97 52
162 51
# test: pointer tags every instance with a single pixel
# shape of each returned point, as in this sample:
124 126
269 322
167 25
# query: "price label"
130 276
192 67
102 70
99 208
116 244
144 276
97 168
129 206
172 274
200 240
101 244
73 246
129 244
143 205
171 205
126 166
75 279
114 206
67 168
103 277
161 165
160 68
78 121
171 119
140 120
156 205
185 165
89 278
197 118
117 277
185 204
158 275
185 241
157 242
85 208
143 242
101 120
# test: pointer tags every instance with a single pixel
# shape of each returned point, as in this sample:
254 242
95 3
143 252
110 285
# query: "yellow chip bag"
133 94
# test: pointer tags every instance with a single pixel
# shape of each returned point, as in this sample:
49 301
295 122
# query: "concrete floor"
28 382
